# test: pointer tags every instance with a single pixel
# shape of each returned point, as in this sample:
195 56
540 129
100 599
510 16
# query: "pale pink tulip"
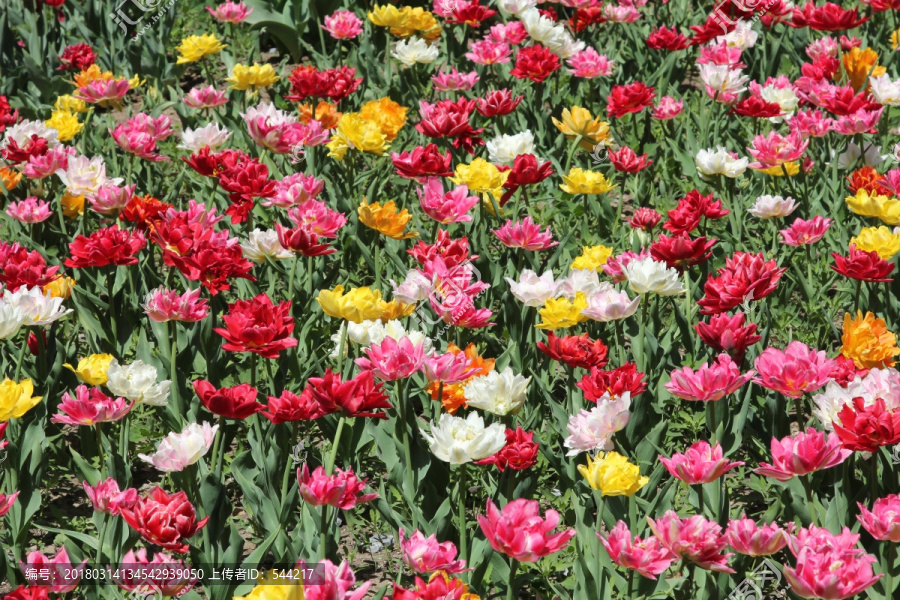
163 305
29 210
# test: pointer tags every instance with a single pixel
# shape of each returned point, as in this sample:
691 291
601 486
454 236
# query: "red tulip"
519 453
258 326
108 246
575 350
166 520
237 402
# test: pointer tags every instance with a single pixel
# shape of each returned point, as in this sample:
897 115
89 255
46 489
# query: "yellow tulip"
195 47
73 206
875 205
578 121
613 475
559 313
357 305
252 78
66 125
92 369
592 257
16 399
67 103
877 239
61 287
272 587
481 177
358 133
579 181
385 219
859 63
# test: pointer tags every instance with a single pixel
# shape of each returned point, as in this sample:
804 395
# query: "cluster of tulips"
476 299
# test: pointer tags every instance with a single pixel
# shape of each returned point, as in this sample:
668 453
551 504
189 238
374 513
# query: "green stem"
572 150
323 530
102 539
511 590
113 317
809 499
288 463
334 446
173 369
100 457
290 294
461 514
21 357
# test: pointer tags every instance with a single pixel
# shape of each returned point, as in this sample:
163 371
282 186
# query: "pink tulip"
487 52
694 539
343 25
513 33
29 210
90 407
279 131
701 463
862 121
613 266
519 532
883 521
58 574
802 454
55 159
454 81
6 502
668 108
230 12
316 215
109 199
774 149
805 232
588 64
794 371
203 98
831 567
392 360
163 571
446 208
525 234
750 539
163 305
107 498
448 368
341 490
426 555
294 190
139 143
648 557
331 582
711 382
103 91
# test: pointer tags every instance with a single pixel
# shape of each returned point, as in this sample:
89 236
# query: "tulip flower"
426 555
60 573
648 556
166 520
178 450
701 463
881 522
803 453
519 532
693 539
342 490
751 539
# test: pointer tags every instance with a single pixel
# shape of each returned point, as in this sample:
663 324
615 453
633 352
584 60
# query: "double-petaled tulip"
616 382
803 453
612 474
426 555
108 498
711 382
575 350
342 490
179 450
592 430
163 572
258 326
238 402
794 371
58 574
163 305
392 359
701 463
519 453
729 334
290 407
163 519
863 266
519 532
423 162
693 539
90 407
448 368
648 557
866 428
458 441
751 539
108 246
881 522
357 397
